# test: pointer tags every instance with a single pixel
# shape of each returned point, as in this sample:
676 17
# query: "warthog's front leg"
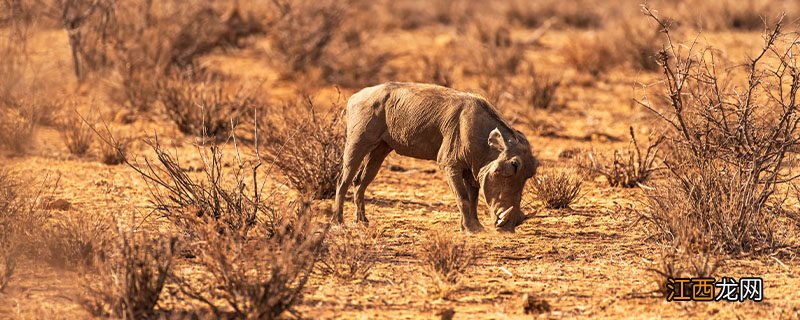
466 199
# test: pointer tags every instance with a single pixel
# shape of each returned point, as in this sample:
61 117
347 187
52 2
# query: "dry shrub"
680 263
747 15
142 41
76 133
350 253
21 216
356 67
557 189
539 89
226 197
114 149
590 53
437 69
628 168
76 241
205 108
498 60
303 31
256 278
18 125
730 148
17 117
638 44
128 281
445 257
577 14
306 146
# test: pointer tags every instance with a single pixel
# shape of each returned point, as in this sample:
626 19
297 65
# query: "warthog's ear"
496 140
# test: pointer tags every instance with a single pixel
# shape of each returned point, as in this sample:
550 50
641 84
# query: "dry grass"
260 277
206 108
129 278
303 31
557 189
76 133
576 14
590 53
19 126
729 146
680 263
75 241
227 197
746 15
628 168
539 90
21 218
306 145
436 69
114 149
351 253
445 258
137 43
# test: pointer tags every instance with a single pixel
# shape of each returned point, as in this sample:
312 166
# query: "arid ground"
597 258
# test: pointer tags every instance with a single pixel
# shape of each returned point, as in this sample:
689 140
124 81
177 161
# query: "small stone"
533 305
58 204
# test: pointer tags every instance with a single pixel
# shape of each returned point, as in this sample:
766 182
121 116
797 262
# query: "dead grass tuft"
76 133
350 253
256 278
128 282
446 257
590 53
557 189
626 169
76 241
539 89
206 108
21 216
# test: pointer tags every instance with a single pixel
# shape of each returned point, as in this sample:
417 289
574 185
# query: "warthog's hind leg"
352 158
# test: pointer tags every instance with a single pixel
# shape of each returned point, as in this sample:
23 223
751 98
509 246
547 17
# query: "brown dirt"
590 261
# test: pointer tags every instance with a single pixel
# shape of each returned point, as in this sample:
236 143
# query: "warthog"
474 147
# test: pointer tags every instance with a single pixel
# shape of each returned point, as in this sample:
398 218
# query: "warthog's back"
417 117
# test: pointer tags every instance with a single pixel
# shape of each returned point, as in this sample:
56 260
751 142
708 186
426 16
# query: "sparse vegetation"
219 195
626 169
114 149
730 147
260 277
446 258
306 145
76 134
236 178
557 189
350 253
128 282
303 31
539 89
204 109
21 217
75 241
590 54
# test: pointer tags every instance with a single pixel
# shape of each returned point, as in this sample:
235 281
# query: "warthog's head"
503 179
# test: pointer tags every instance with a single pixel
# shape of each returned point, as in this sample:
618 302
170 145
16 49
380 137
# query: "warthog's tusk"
501 218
